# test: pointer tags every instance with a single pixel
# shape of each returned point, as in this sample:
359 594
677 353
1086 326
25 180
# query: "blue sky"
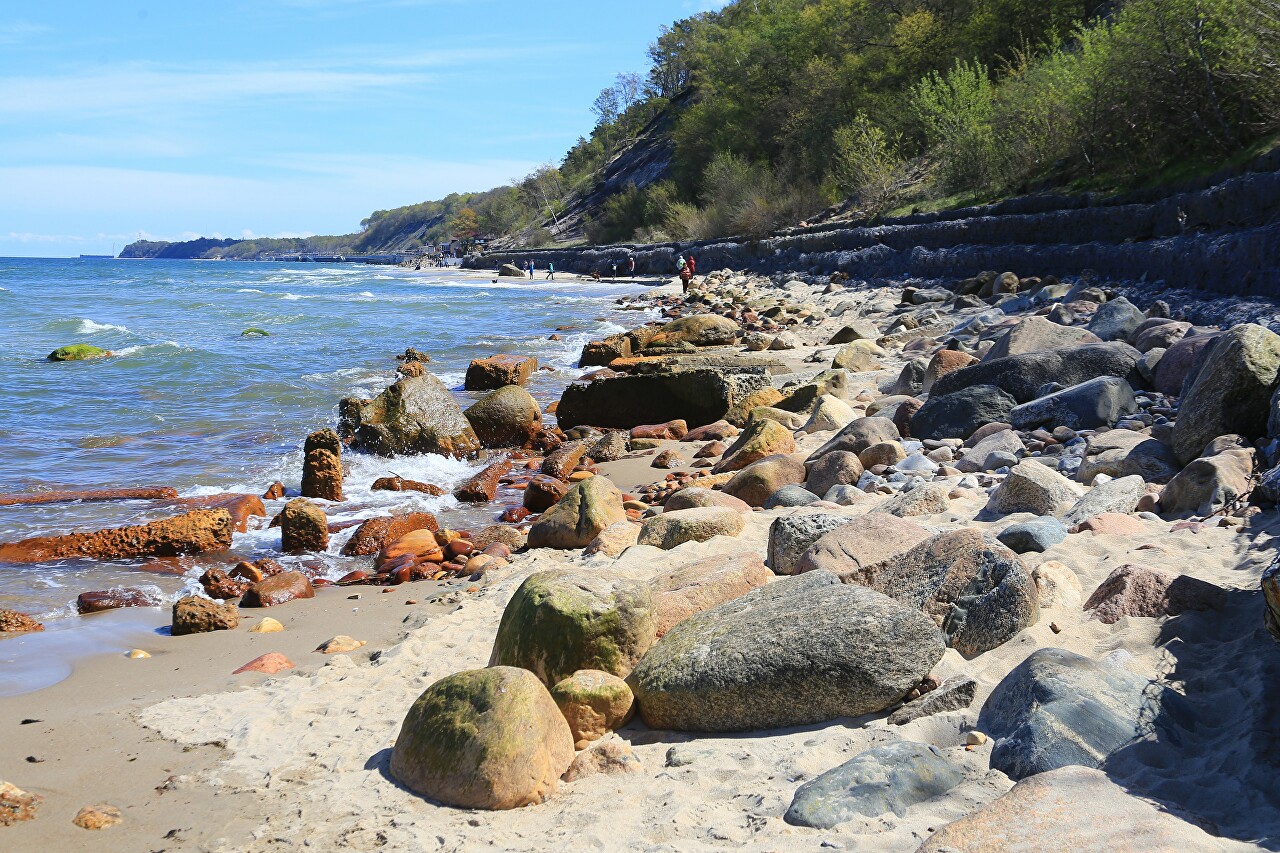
282 117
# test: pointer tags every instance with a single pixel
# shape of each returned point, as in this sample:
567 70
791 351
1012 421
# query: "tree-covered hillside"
769 111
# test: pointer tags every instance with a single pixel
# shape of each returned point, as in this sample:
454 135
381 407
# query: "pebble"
267 625
137 654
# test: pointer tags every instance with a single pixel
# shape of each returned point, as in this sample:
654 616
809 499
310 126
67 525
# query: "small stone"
269 664
975 739
137 654
339 644
13 622
594 703
610 758
267 625
16 804
100 816
195 614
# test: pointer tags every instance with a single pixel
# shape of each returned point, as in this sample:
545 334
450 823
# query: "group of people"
685 267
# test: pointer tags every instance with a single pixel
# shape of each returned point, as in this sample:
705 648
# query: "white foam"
89 327
250 290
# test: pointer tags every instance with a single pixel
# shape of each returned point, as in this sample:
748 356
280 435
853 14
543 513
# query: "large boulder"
497 371
415 415
1177 362
762 437
1116 320
1120 495
671 529
691 497
888 778
833 650
278 589
791 535
1137 590
1123 453
602 353
960 413
559 622
705 584
191 533
1035 334
1209 484
858 436
1158 333
979 457
588 508
1033 487
484 739
858 552
303 527
1072 808
1089 405
830 413
701 330
322 466
1058 708
980 592
194 614
756 483
79 352
838 468
1231 390
945 361
1022 376
507 417
699 396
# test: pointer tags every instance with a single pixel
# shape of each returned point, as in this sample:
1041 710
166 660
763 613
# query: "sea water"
187 401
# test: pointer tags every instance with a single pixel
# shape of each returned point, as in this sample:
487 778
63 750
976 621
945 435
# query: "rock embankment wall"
1221 235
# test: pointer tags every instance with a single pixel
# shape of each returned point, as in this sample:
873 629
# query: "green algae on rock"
484 739
559 622
79 352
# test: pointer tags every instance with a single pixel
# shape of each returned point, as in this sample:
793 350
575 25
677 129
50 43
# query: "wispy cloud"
14 32
145 87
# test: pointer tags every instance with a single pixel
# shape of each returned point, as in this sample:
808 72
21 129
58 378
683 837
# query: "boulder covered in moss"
559 622
79 352
484 739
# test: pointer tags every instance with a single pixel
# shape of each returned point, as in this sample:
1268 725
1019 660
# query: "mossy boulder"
484 739
700 330
255 333
79 352
1230 390
507 417
762 438
585 510
559 622
416 415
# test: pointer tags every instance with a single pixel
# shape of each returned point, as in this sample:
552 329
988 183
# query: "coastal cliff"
1220 235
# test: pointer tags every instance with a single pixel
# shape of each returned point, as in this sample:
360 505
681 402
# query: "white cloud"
28 237
15 32
140 88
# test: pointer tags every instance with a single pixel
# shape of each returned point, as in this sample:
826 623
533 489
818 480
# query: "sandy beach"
199 759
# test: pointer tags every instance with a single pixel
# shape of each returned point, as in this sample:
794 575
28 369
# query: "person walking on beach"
529 265
551 271
685 276
631 267
679 263
693 266
615 270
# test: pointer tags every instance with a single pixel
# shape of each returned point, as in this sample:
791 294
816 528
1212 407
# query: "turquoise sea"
187 402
